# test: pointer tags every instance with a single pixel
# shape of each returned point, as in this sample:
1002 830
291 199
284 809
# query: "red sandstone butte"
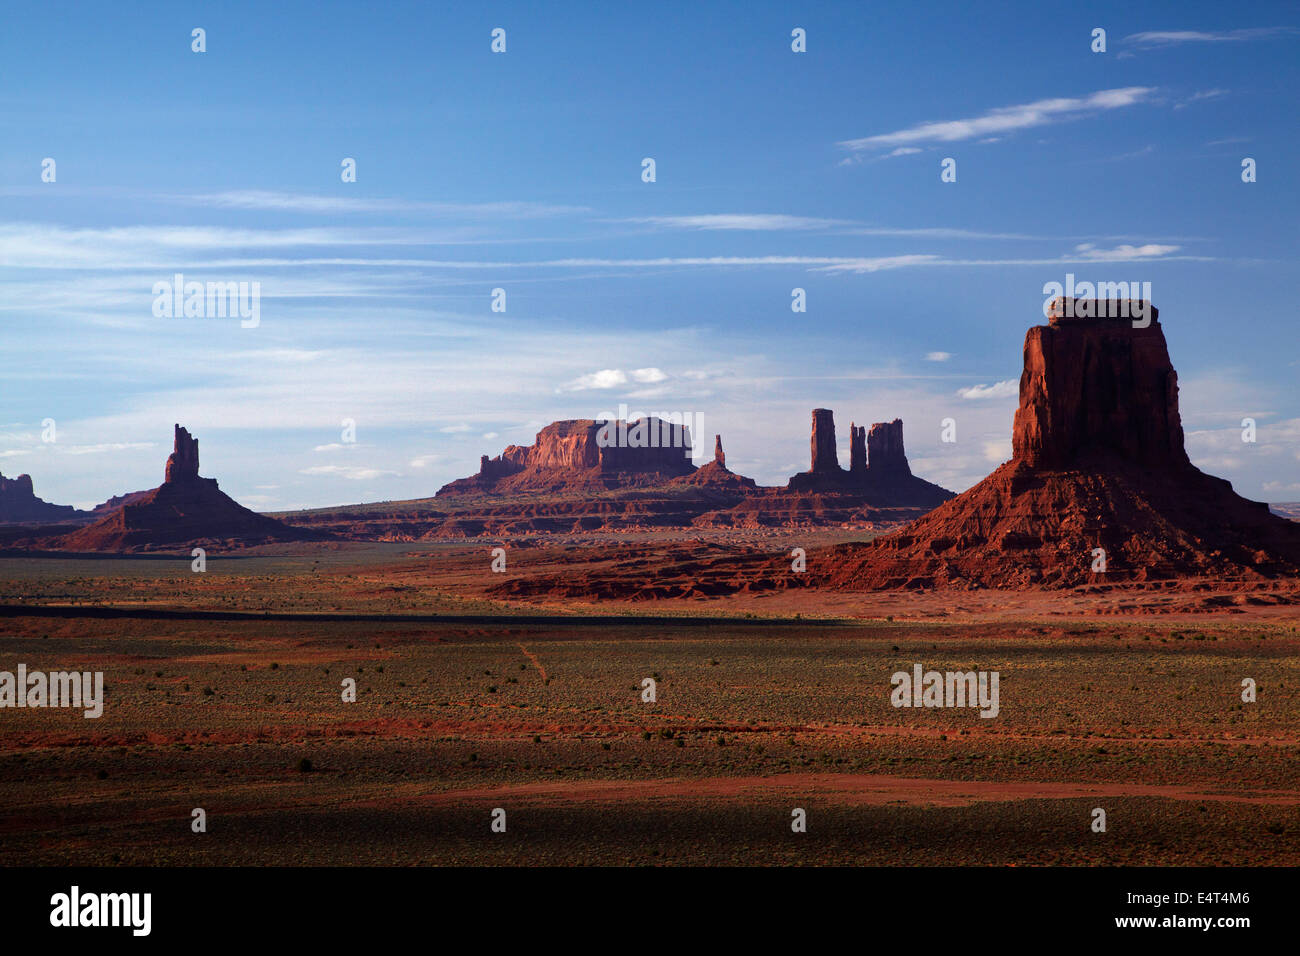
1098 462
1098 385
858 448
825 459
185 510
885 448
878 471
584 454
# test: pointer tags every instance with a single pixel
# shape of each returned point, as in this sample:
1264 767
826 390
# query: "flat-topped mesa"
1065 309
586 453
1098 381
718 455
885 449
183 462
644 445
825 459
857 449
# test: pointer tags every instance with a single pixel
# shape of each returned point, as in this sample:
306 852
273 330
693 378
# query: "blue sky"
522 171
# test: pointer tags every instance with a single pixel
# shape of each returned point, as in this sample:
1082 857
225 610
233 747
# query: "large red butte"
1098 470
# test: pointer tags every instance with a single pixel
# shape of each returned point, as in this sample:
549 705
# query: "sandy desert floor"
224 688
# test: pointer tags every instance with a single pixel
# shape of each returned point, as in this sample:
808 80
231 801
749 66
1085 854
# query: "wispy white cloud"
1005 389
614 378
861 265
150 249
45 246
935 232
1200 96
338 446
1146 150
858 157
1124 253
1149 252
350 472
424 461
257 199
605 378
105 446
774 222
1162 38
754 222
1004 119
937 356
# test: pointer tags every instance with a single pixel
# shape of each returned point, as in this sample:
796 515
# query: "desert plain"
481 690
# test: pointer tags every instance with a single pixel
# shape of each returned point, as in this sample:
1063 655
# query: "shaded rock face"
183 463
825 459
1099 468
17 489
885 448
491 469
585 453
183 511
1097 386
19 504
858 448
645 446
